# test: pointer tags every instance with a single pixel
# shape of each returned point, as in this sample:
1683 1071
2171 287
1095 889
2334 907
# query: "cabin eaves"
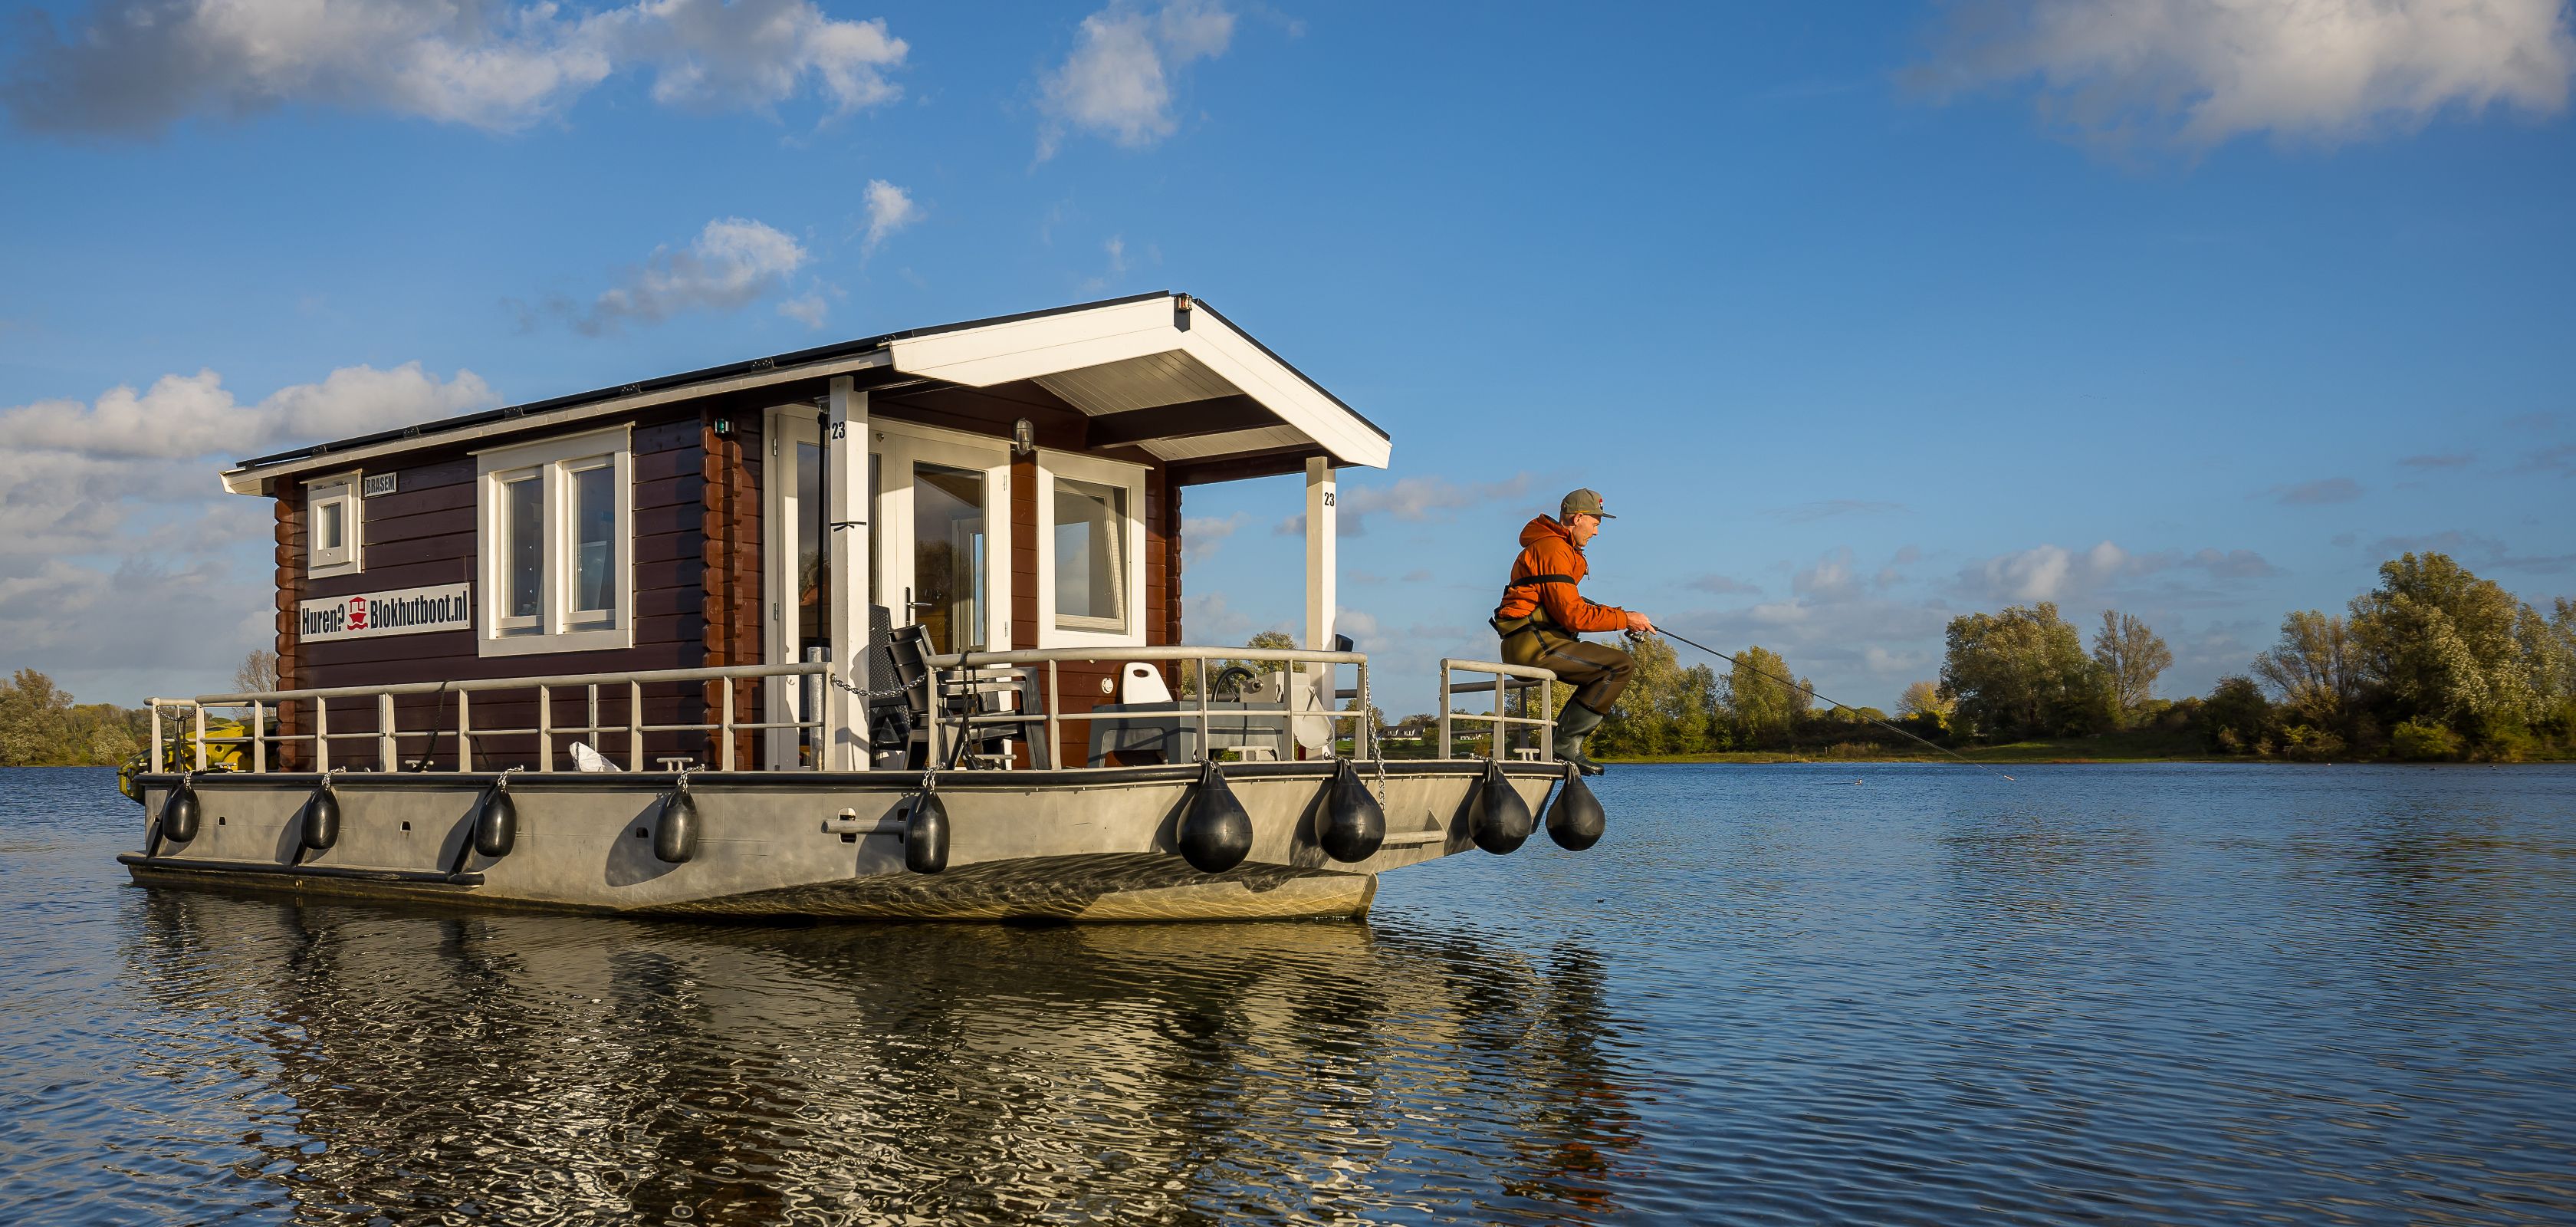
1162 372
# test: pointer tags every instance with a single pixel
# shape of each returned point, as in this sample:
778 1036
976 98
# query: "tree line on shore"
2434 663
40 725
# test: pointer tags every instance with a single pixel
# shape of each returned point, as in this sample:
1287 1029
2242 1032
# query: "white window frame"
1098 472
553 461
349 559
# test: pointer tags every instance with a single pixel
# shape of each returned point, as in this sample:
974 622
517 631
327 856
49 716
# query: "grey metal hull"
1022 845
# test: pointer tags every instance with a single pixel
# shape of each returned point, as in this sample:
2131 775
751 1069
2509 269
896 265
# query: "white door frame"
786 426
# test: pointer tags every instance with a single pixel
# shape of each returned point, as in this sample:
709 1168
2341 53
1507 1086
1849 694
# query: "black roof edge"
819 353
1292 369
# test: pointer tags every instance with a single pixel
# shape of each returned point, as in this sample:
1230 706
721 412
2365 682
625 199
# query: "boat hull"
1091 845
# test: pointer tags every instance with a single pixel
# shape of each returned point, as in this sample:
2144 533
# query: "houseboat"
889 628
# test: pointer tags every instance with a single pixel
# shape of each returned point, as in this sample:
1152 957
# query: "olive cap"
1583 502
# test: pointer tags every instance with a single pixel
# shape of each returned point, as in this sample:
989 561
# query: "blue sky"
1861 316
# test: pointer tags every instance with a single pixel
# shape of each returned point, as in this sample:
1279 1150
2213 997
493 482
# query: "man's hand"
1640 624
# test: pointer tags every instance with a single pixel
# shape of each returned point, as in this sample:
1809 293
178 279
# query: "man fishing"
1542 617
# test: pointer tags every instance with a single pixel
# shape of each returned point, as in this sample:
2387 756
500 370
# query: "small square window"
332 526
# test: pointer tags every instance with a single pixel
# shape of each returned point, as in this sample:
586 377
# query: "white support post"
1322 566
845 516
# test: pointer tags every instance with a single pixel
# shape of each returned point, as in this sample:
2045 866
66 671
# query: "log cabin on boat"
504 640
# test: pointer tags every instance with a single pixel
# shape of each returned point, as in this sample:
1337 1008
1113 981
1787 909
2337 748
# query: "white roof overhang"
1159 352
1161 372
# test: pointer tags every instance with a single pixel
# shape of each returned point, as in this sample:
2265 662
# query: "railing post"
1360 733
592 700
258 737
1547 720
635 726
1444 709
1054 734
545 728
153 705
386 751
200 710
930 681
726 721
1207 751
464 730
321 734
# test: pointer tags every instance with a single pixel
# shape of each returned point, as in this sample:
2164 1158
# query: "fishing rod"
1810 691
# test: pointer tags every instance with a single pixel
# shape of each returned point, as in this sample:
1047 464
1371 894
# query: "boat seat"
1139 682
966 693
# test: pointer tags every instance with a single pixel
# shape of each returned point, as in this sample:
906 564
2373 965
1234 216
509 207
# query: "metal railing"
264 739
1362 744
1531 678
387 735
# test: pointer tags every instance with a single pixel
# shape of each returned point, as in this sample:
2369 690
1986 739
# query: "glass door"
799 581
945 555
937 525
949 556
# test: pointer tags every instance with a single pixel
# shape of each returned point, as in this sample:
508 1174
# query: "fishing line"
1810 692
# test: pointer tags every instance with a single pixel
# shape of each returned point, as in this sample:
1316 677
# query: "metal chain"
1377 751
872 695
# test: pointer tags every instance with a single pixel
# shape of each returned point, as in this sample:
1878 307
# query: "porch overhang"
1161 373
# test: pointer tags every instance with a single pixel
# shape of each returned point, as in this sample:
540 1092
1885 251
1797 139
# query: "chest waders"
1597 671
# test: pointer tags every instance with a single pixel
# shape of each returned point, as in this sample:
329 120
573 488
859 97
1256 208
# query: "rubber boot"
1571 729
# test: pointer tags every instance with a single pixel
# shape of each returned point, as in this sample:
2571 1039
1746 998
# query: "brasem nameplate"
403 611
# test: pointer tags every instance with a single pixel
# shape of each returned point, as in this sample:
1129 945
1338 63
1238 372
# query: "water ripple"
2109 994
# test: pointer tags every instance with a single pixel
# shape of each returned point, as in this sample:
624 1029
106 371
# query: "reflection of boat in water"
548 1068
898 620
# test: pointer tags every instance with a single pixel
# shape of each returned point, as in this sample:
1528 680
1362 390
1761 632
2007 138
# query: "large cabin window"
556 545
331 528
1090 538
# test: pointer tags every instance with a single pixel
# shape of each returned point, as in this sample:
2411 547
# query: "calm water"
2164 994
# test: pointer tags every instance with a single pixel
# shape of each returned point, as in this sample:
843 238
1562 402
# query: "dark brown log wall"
699 598
731 609
424 534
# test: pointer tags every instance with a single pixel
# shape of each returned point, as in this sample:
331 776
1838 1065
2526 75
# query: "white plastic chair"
1139 682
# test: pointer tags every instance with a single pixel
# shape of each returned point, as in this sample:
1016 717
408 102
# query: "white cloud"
1422 499
733 262
2047 573
2199 72
890 209
1201 536
136 66
110 517
1117 81
194 415
1831 579
806 309
2055 573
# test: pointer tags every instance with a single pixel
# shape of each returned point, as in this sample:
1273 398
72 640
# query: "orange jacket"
1544 576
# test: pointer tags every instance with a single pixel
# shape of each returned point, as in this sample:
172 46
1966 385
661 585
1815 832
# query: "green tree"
2130 655
2313 671
1668 708
2444 645
2022 673
1763 699
33 715
2236 717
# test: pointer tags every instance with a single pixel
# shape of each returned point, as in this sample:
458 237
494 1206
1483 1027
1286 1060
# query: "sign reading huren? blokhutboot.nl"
405 611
